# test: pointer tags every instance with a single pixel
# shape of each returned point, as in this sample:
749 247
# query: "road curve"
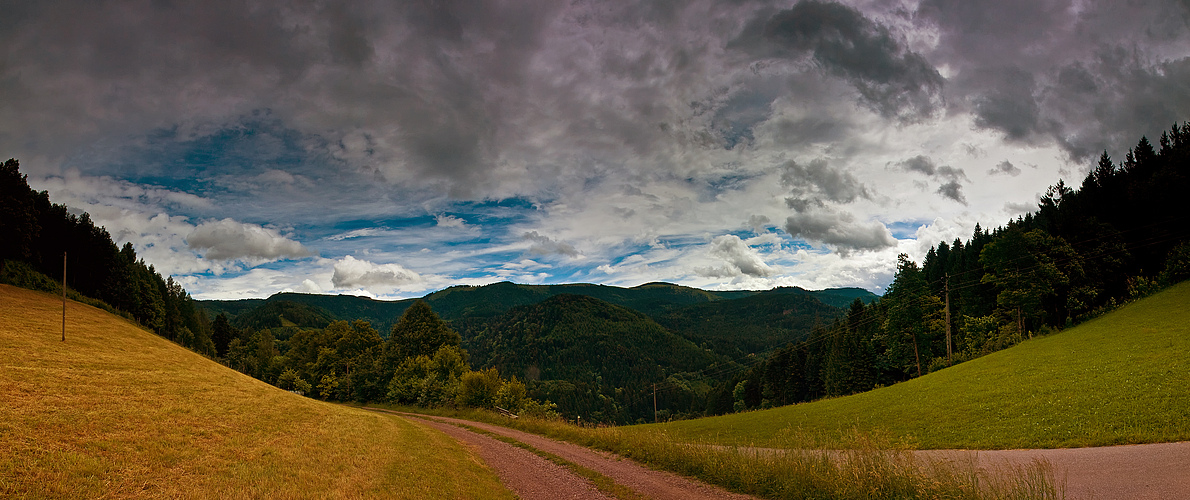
650 483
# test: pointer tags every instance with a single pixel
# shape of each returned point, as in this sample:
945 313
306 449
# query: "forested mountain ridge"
502 323
592 357
470 302
749 325
284 313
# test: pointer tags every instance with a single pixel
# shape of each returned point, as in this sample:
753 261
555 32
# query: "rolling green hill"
284 313
380 313
1121 378
749 325
116 411
592 357
468 303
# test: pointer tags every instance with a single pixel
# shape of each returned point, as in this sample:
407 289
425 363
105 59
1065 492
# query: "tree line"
35 234
421 362
1122 234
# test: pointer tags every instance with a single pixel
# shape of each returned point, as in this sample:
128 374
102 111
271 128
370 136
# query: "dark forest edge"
1119 236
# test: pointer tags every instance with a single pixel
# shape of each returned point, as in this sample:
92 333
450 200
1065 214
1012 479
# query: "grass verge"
1122 378
115 411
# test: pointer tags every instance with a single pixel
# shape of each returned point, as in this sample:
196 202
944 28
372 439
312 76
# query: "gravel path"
529 476
1135 472
651 483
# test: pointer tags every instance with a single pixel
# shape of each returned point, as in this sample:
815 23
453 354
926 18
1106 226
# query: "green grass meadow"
1122 378
117 412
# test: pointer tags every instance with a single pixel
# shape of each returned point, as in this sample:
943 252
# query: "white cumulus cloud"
444 220
739 259
351 272
228 239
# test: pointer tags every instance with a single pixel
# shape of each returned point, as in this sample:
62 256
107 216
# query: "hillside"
490 300
1121 378
469 302
592 357
284 313
749 325
117 411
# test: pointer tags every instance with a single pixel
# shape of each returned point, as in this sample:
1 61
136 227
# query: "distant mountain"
380 313
592 357
490 300
596 350
751 325
469 302
836 297
764 320
283 313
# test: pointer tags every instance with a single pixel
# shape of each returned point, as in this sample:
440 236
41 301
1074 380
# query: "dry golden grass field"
115 411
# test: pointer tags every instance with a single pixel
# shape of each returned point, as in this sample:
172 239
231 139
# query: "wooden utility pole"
64 296
949 359
654 403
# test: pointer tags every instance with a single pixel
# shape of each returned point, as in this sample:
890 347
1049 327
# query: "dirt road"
529 476
1135 472
527 482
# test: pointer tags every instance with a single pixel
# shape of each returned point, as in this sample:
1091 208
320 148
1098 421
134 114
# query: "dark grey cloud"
891 79
818 178
954 191
839 230
1009 106
1086 76
759 223
816 129
950 177
921 164
545 246
1005 167
800 205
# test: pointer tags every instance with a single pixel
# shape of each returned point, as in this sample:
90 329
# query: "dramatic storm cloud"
394 148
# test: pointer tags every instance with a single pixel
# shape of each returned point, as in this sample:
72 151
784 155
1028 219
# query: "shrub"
512 395
1177 265
478 388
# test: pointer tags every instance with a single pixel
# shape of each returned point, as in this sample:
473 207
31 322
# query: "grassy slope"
117 411
1121 378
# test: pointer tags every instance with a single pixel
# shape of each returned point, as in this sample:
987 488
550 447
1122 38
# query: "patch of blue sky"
905 229
795 244
503 211
166 157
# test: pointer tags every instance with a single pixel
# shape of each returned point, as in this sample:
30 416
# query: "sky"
391 149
